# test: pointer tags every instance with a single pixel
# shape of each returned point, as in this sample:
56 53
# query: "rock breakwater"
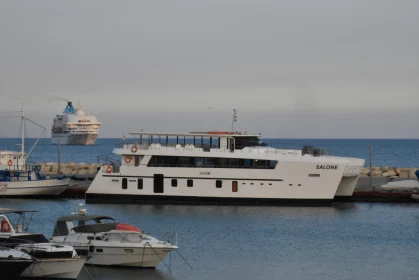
390 172
69 168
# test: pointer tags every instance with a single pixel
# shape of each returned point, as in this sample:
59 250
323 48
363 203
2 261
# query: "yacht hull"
14 268
194 200
55 268
74 139
48 187
346 188
117 256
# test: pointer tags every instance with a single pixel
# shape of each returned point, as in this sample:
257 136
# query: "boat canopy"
6 210
83 218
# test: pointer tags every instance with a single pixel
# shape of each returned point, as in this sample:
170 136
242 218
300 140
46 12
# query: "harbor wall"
72 168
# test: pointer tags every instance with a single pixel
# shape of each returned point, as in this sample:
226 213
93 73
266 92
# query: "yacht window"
124 183
174 182
313 175
234 186
129 251
98 238
99 250
190 183
140 184
218 184
90 238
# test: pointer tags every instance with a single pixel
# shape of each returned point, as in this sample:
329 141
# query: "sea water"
386 152
344 241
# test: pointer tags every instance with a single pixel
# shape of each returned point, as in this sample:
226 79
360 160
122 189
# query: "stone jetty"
69 168
390 172
72 168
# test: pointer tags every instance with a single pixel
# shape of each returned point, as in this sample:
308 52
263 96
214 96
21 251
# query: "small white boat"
405 185
110 243
51 260
20 179
415 196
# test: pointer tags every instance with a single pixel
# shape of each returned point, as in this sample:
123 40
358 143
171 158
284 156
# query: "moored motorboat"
404 185
13 262
52 260
17 178
109 243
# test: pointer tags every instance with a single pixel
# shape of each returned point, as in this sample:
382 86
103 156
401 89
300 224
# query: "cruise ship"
221 167
75 127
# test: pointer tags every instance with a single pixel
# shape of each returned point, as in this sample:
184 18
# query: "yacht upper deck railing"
215 148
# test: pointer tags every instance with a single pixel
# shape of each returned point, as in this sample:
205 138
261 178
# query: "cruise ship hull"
74 139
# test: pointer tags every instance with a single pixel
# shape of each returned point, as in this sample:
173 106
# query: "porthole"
99 250
129 251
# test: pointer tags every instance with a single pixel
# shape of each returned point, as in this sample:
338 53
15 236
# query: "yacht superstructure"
75 127
221 168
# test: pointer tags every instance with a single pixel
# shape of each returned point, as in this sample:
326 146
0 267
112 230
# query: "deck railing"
206 148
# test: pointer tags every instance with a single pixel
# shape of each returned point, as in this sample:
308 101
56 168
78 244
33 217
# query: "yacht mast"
22 157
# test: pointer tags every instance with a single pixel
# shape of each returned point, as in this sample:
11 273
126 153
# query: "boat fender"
109 169
9 163
128 159
5 226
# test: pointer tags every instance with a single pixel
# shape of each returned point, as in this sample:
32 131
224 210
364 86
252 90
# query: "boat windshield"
95 221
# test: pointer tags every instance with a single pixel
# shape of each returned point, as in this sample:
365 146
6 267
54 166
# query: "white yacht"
75 127
51 260
17 178
221 168
108 243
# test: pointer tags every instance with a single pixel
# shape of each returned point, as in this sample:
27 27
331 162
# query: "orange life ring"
128 159
5 226
9 163
134 149
109 169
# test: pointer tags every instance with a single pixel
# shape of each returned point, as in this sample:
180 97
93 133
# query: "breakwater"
70 168
390 172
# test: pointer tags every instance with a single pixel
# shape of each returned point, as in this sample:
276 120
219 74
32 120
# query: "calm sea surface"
386 152
345 241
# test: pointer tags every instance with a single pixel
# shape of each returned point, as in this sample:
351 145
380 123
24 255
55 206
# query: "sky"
292 69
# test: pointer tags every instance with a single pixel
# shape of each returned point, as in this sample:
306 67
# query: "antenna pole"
234 120
59 159
23 138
